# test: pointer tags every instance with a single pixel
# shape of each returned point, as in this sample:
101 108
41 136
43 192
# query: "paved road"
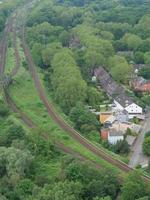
138 156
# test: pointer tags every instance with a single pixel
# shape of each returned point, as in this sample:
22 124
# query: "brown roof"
140 84
111 87
114 132
104 116
104 134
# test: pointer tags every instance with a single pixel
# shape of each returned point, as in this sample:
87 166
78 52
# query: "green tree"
93 58
147 57
120 69
36 53
64 38
67 82
24 188
103 198
139 57
132 41
15 163
49 52
61 190
94 96
4 111
84 120
133 187
145 72
122 147
146 146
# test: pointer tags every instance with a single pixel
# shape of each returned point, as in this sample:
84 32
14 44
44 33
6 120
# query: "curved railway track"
4 44
27 120
51 111
65 126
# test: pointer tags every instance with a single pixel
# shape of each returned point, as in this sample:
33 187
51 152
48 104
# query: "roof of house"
130 139
106 81
115 133
104 134
104 116
123 99
110 119
136 128
140 66
122 117
111 87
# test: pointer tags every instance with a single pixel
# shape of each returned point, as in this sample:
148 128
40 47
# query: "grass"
10 60
95 135
24 94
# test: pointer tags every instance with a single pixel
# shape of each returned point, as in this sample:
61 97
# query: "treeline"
68 39
33 168
6 8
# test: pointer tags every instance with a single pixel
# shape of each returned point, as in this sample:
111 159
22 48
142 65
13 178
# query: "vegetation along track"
25 118
73 133
4 44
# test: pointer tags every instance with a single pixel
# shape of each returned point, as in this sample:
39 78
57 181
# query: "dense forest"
68 39
72 38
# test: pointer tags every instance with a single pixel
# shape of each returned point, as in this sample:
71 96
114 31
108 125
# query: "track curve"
29 121
73 133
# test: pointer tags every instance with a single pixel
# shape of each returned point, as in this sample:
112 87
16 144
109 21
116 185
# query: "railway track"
73 133
51 111
4 44
29 123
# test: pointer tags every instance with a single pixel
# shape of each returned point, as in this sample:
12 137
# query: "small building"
104 134
133 110
125 126
130 140
121 100
114 136
122 116
141 85
104 116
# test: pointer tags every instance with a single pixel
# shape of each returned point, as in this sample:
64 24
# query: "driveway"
137 156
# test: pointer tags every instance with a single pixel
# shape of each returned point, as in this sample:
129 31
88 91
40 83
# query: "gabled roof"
111 87
115 133
123 100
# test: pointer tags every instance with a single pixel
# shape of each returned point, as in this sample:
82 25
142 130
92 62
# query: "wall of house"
114 139
134 109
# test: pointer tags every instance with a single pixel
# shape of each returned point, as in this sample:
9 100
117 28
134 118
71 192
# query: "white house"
114 136
130 107
134 109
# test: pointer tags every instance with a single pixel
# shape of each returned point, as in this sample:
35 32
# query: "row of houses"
115 126
122 102
117 121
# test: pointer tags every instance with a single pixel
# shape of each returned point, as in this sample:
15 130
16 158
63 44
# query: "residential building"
104 134
141 85
115 136
121 100
104 116
130 140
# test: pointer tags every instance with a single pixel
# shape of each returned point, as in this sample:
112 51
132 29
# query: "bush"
4 111
146 146
121 147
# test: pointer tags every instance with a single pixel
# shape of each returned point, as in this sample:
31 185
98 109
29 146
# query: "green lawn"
10 60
